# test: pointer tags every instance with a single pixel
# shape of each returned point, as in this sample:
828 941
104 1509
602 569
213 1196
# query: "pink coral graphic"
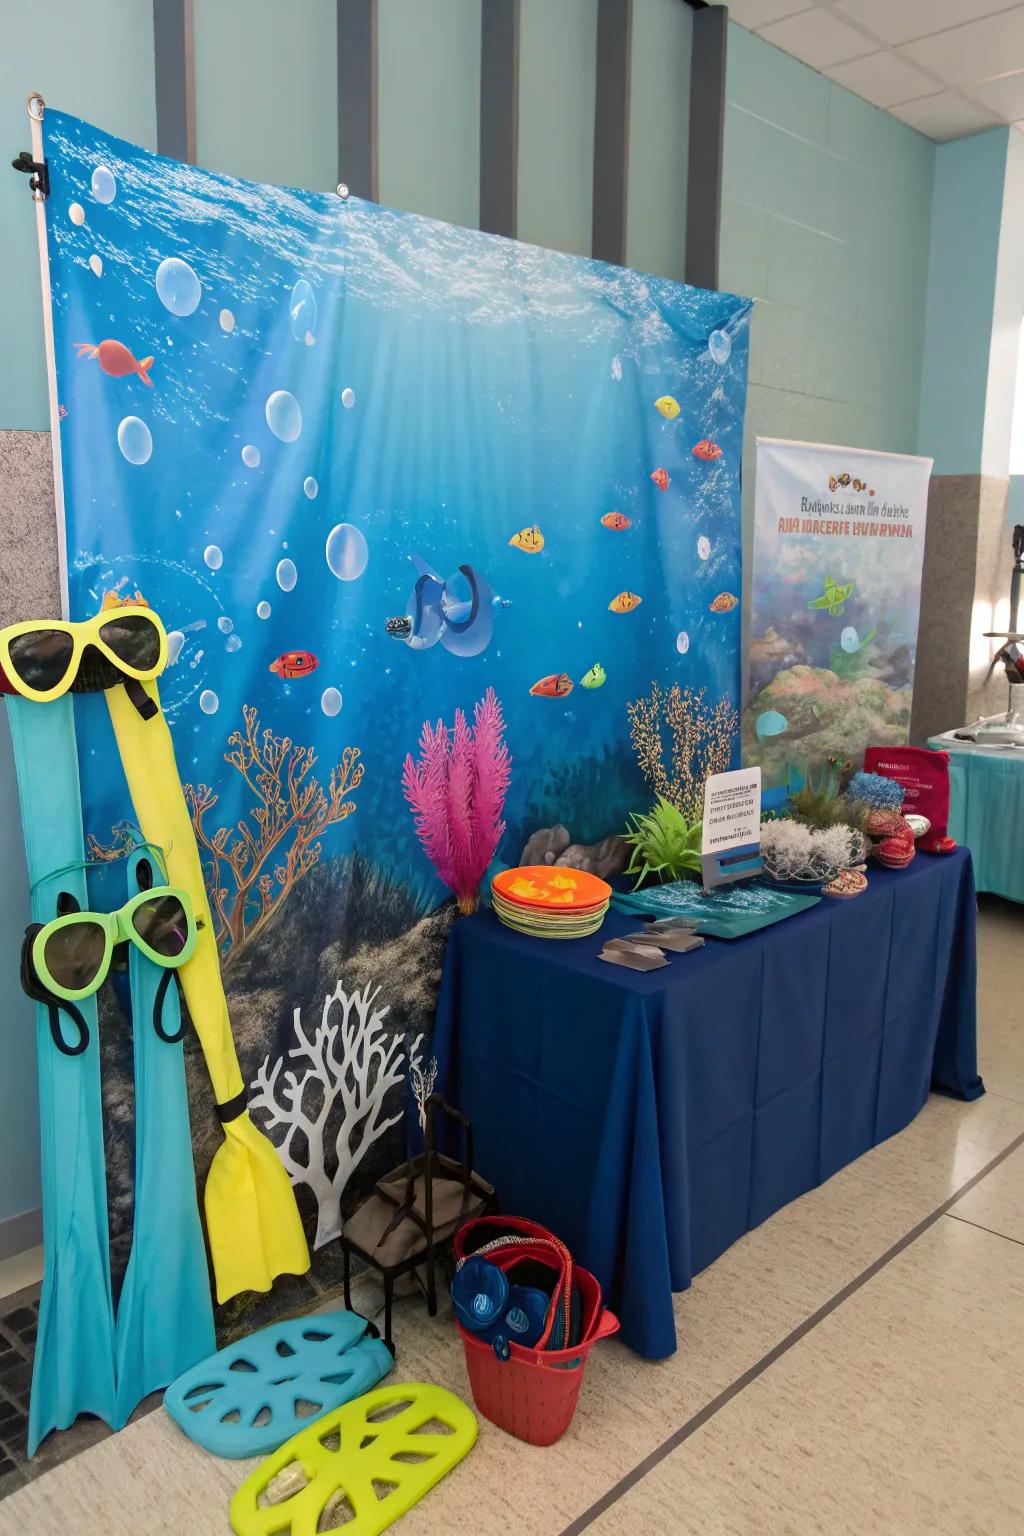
457 790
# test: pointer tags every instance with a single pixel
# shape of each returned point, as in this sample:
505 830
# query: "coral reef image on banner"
836 589
369 468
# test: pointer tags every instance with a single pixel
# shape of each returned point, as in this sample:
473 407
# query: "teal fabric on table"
165 1311
986 812
724 914
73 1370
649 1119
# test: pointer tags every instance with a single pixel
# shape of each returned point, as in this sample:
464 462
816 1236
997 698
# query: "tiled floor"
18 1321
854 1365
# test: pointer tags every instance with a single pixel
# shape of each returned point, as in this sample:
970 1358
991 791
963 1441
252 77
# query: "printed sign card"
731 833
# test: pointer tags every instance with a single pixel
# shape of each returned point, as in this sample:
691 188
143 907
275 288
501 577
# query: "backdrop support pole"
36 106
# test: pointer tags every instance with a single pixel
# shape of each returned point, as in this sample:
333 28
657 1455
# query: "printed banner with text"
838 546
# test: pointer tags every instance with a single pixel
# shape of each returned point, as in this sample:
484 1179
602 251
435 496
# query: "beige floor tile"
739 1309
765 1286
997 1202
901 1413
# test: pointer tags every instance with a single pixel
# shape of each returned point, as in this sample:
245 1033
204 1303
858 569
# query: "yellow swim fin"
251 1215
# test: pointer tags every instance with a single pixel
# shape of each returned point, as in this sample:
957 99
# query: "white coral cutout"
349 1058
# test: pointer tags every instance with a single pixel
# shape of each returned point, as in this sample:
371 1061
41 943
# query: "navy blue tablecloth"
650 1119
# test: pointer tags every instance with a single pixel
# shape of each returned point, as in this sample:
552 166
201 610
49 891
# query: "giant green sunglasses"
71 956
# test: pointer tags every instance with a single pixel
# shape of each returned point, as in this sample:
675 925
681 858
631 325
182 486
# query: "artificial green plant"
664 843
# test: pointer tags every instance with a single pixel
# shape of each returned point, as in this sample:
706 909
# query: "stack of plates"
550 903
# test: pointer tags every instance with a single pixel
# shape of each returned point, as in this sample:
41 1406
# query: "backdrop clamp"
37 170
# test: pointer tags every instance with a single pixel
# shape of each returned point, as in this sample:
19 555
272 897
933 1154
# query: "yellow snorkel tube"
252 1219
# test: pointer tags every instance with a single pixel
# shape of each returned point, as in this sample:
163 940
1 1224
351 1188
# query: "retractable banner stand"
836 587
367 466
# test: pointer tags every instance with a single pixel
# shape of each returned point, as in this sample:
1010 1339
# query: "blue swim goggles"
487 1304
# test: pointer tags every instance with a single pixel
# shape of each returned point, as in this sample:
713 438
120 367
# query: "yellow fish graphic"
625 602
562 883
833 597
529 540
523 888
725 602
668 406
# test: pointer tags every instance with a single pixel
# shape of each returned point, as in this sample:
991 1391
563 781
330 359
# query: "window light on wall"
1017 428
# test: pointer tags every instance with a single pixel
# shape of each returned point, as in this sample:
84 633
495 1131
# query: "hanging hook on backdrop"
39 183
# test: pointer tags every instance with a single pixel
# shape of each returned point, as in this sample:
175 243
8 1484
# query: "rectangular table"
986 811
650 1119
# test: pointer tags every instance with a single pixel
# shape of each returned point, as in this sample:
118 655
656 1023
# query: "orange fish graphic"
617 521
555 686
660 478
625 602
529 540
294 664
706 450
725 602
114 358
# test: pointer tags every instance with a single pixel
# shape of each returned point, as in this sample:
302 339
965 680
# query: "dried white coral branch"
792 851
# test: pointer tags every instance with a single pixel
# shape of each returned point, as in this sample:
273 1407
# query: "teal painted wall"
54 47
965 227
659 137
557 87
267 90
51 47
428 79
826 221
1015 501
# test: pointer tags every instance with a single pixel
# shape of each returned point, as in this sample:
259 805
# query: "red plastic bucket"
533 1394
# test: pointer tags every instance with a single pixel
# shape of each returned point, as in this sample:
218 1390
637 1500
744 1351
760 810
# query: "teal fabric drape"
986 814
74 1358
165 1312
84 1361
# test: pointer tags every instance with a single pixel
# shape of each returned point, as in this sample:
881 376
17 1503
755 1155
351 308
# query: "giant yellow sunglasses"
42 660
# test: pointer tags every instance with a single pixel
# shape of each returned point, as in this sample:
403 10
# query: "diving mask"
42 660
71 956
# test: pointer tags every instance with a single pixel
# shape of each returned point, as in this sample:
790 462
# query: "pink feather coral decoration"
457 791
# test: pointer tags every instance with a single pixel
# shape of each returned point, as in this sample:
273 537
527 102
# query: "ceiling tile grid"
945 67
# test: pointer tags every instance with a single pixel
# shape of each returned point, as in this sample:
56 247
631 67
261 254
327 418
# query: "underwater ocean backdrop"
287 419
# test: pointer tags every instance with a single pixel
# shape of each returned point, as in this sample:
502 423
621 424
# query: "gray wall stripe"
499 116
707 129
174 54
611 129
357 97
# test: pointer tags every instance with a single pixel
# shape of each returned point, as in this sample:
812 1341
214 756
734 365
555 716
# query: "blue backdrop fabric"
288 418
986 807
294 364
650 1119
